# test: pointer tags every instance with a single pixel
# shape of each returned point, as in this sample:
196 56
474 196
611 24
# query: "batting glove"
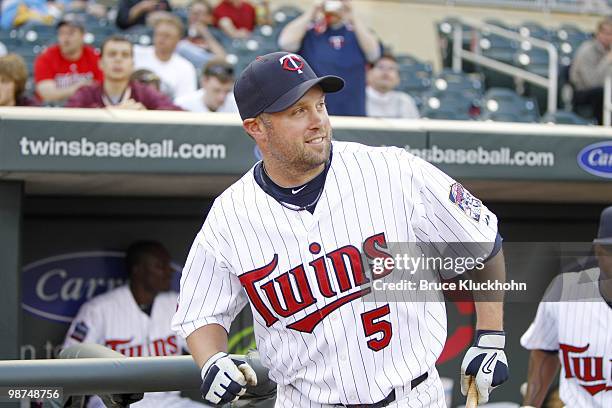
486 362
224 379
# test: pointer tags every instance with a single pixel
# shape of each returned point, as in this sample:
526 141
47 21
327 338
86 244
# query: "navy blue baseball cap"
273 82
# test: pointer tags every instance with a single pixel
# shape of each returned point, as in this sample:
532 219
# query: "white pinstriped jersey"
303 273
582 332
114 320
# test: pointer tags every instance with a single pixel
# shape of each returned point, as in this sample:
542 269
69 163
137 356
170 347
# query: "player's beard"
297 158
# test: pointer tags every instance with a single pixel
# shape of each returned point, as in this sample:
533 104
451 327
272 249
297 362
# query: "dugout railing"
91 369
550 83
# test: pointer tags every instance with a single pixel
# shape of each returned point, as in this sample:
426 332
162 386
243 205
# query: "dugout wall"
64 220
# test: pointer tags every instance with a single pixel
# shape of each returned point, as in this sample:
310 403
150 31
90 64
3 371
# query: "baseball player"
134 319
288 238
573 329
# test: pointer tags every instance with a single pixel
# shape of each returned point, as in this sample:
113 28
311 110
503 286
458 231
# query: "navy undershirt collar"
304 197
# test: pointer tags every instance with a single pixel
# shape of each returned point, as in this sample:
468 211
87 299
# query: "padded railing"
87 369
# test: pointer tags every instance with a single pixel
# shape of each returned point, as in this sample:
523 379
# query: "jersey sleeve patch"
80 331
466 202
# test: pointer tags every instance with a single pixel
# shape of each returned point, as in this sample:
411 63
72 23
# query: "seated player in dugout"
572 331
134 319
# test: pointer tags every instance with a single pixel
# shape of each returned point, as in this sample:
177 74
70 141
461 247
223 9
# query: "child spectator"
13 78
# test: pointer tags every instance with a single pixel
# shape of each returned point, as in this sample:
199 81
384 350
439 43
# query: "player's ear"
254 128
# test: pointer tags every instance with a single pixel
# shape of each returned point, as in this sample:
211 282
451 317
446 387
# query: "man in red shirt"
237 18
117 91
65 67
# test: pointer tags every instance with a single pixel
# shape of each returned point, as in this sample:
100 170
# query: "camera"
332 6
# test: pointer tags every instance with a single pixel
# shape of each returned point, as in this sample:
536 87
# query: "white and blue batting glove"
224 379
486 363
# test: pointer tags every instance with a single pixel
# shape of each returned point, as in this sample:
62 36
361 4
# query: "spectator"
382 101
147 77
237 18
13 77
136 12
178 75
67 66
117 90
216 93
340 44
591 64
134 319
200 46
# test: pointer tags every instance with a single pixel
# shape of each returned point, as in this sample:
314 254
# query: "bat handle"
472 395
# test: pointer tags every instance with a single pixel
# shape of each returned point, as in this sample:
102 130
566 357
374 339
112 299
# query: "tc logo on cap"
292 62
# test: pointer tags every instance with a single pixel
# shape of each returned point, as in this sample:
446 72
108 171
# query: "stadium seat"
442 104
535 30
448 80
501 104
500 49
504 117
414 84
285 14
534 60
565 118
415 75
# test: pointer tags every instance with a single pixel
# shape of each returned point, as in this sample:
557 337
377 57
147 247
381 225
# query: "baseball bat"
472 395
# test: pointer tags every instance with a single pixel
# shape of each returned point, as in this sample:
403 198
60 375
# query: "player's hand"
486 362
224 380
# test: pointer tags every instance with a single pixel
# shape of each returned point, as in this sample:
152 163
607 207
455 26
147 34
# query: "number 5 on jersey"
373 324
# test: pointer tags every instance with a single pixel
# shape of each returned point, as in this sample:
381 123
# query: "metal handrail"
85 369
550 83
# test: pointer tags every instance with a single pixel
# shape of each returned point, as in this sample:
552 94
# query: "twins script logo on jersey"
587 370
465 201
290 301
158 347
292 62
